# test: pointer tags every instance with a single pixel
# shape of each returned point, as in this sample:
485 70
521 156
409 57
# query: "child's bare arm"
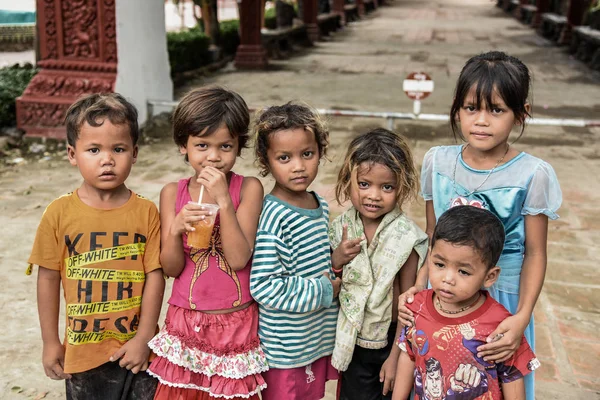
134 354
172 257
389 369
403 382
533 273
405 316
238 229
514 390
152 298
404 280
48 299
408 272
407 289
423 277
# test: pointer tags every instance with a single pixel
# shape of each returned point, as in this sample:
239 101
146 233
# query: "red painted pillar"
574 18
518 12
542 7
338 8
360 6
78 56
310 19
250 53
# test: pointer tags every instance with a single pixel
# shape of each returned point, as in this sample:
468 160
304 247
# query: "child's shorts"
110 382
201 355
361 380
301 383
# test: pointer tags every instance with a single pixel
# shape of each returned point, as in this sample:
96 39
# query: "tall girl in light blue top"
522 190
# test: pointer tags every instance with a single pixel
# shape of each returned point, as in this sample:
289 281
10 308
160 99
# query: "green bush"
13 81
270 18
187 50
230 35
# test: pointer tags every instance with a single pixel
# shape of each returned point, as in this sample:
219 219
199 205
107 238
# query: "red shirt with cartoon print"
445 352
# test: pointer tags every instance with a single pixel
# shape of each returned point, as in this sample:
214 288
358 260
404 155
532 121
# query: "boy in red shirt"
439 352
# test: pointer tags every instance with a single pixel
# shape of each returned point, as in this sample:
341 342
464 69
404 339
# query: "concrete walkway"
362 67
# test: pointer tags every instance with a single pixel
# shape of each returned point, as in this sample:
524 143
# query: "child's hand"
505 340
388 373
53 360
215 181
133 354
189 215
346 251
405 316
336 283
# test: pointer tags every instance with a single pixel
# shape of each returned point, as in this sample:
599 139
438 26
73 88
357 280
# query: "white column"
143 71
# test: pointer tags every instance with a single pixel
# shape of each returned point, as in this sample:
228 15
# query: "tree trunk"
211 20
215 32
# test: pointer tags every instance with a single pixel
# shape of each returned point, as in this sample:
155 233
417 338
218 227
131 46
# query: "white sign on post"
417 86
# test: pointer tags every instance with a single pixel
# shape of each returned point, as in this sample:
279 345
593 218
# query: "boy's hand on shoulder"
387 374
505 340
53 360
405 316
347 250
215 181
133 355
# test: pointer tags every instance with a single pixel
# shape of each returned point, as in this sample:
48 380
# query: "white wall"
143 71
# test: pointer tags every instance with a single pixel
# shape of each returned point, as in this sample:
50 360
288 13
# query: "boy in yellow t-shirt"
103 243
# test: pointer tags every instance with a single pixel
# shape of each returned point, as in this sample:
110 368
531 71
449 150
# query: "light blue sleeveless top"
525 185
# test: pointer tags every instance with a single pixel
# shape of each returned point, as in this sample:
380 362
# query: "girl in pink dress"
209 346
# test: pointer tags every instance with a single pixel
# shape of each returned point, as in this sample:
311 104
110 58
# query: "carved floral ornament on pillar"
78 56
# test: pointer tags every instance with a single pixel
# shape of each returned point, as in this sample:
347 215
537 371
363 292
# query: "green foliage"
270 18
230 35
13 81
187 50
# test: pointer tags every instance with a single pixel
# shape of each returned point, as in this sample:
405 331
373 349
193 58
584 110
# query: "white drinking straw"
201 193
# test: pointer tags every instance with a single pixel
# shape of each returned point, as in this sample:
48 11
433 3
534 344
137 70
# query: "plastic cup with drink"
199 238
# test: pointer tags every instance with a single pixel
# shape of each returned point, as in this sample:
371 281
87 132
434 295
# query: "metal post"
390 123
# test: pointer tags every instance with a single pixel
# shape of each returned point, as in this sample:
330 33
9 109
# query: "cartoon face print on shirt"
434 380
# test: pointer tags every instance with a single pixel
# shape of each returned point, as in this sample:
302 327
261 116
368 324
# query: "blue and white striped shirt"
297 312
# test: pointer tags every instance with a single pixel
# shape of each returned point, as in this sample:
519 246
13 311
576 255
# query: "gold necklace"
486 178
465 308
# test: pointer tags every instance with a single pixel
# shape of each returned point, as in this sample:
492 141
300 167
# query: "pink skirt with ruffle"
215 353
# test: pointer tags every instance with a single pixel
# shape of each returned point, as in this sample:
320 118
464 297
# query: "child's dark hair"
491 72
473 227
203 110
95 109
287 116
384 147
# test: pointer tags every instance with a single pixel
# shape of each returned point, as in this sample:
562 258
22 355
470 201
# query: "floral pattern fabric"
366 293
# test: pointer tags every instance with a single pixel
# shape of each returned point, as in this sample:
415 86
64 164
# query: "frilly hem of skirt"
236 367
258 388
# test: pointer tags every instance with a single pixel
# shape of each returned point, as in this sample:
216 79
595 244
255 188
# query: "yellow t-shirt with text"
103 257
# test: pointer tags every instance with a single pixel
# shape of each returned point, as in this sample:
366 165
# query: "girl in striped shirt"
291 277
